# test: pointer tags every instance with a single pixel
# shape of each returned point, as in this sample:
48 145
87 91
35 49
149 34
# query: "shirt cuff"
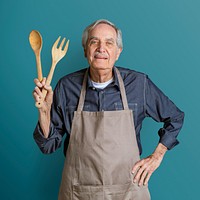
168 141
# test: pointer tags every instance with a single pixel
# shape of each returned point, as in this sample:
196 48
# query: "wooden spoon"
35 40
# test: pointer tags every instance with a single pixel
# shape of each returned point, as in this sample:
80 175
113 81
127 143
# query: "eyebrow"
93 37
111 39
96 38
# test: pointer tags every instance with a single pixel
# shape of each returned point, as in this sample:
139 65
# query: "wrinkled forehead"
103 30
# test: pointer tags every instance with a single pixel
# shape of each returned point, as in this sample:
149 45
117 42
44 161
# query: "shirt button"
93 88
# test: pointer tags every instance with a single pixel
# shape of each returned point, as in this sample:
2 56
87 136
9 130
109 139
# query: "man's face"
101 49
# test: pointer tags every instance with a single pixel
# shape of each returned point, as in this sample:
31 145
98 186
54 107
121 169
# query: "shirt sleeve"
57 129
162 109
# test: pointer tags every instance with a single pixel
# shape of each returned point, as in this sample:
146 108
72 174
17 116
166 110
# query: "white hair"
93 25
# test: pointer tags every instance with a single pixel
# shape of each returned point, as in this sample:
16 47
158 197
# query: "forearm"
160 151
45 101
44 121
162 109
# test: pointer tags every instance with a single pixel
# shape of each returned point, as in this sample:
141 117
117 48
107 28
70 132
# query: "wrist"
160 151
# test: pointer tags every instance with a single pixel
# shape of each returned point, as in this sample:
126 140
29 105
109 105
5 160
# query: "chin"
100 67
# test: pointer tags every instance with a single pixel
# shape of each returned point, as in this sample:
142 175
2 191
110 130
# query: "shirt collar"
115 82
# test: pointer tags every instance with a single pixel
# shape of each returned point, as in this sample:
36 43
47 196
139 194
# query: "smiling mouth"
100 56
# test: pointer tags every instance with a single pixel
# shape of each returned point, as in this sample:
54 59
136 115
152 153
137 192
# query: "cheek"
117 54
114 56
89 56
89 53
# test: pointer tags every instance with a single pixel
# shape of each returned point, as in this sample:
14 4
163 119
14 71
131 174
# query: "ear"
118 53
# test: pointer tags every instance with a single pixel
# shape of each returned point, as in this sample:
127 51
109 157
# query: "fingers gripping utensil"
35 40
57 54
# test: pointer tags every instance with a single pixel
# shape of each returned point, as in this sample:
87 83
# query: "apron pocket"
119 192
140 192
87 192
128 191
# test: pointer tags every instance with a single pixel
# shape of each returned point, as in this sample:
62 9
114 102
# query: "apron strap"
122 90
83 92
121 87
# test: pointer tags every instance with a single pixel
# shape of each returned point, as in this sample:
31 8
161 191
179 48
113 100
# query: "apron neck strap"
121 87
122 90
83 92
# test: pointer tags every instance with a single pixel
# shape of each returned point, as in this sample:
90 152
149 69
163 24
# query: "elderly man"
100 110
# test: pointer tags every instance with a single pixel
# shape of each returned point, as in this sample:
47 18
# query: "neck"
101 76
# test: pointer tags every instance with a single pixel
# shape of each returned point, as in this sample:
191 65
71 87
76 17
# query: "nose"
101 47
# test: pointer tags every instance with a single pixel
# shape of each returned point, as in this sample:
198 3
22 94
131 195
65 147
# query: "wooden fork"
57 54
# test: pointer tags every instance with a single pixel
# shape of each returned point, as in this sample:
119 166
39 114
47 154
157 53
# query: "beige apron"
101 153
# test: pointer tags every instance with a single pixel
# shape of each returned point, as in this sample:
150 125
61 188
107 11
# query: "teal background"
161 38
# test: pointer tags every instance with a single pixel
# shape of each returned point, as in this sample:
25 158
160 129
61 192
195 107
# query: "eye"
93 42
109 43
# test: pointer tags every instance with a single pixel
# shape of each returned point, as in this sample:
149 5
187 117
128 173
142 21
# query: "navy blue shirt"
145 99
